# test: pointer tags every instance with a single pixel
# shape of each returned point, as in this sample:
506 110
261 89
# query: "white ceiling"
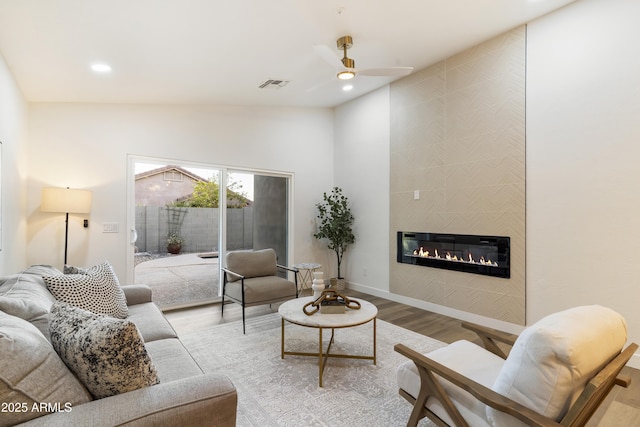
220 51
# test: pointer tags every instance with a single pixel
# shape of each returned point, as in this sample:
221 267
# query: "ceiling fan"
347 66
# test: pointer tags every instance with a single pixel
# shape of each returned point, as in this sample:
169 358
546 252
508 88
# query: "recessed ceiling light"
101 68
347 88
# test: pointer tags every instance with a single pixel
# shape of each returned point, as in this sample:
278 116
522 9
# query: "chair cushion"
553 359
252 263
465 358
262 290
106 354
32 373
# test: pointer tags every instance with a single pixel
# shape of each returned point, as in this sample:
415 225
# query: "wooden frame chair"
449 397
251 278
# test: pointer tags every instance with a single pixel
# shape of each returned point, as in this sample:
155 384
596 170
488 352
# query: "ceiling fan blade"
392 71
329 56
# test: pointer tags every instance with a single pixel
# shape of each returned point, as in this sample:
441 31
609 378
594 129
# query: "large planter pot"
338 283
174 248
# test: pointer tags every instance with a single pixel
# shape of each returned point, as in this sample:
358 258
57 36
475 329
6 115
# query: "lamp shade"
65 200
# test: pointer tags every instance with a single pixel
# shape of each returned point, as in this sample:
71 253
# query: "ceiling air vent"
273 84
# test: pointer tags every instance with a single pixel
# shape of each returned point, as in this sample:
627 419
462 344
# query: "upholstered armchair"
251 278
556 373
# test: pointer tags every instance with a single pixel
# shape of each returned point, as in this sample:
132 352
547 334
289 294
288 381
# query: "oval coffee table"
291 311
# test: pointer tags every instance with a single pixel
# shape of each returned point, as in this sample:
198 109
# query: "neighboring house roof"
165 185
164 169
152 189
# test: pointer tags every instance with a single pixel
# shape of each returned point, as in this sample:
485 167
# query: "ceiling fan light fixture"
101 68
346 75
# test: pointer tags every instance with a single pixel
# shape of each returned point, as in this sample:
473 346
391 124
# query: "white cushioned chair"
251 278
557 373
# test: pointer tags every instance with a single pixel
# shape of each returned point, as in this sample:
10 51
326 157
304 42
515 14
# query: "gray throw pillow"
97 290
25 295
71 269
32 373
106 354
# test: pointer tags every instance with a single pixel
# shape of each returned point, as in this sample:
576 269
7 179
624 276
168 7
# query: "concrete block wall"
197 226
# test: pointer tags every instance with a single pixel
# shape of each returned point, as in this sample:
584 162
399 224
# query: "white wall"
86 146
361 164
583 153
13 135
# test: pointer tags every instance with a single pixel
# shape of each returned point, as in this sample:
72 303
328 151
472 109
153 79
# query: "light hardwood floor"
621 408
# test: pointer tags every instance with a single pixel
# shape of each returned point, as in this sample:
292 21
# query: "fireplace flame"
424 253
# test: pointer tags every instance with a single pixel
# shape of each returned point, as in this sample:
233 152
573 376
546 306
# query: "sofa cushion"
552 360
98 290
172 360
151 323
25 295
32 373
107 354
252 263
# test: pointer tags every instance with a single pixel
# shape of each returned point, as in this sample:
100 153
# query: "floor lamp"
65 200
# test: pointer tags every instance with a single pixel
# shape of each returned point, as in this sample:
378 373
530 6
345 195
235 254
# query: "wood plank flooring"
621 408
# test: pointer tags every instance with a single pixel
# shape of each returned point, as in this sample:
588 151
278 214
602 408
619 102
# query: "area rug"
285 392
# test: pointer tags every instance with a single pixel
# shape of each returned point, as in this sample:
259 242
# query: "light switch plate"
110 227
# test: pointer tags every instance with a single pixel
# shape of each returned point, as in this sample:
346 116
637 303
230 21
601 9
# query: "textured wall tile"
458 136
475 300
506 142
511 42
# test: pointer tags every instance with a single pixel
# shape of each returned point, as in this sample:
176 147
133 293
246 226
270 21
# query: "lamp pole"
66 236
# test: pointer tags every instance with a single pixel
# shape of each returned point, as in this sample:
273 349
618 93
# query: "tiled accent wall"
458 136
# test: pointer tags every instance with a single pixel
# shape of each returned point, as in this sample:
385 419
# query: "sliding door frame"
224 172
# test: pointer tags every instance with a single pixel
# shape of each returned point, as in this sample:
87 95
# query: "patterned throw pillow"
106 354
97 290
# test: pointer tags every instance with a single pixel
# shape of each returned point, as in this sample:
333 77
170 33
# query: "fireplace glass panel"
486 255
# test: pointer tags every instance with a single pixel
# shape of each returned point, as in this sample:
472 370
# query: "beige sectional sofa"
185 395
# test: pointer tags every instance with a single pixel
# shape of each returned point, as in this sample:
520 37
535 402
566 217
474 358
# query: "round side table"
305 273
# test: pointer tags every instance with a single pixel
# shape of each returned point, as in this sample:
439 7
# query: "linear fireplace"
486 255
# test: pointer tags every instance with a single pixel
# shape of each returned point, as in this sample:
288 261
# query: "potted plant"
174 243
335 225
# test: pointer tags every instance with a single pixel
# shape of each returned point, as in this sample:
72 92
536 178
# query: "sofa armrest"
137 294
203 400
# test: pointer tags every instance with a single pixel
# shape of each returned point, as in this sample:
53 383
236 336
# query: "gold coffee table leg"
320 364
374 341
282 341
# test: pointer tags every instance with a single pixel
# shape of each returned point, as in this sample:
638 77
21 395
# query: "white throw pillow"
106 354
553 359
96 290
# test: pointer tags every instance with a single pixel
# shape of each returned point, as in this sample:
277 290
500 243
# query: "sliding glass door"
258 212
206 210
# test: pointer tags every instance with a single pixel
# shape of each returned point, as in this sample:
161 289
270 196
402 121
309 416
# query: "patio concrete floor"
180 280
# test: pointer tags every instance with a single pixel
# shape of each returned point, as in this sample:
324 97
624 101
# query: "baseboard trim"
436 308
